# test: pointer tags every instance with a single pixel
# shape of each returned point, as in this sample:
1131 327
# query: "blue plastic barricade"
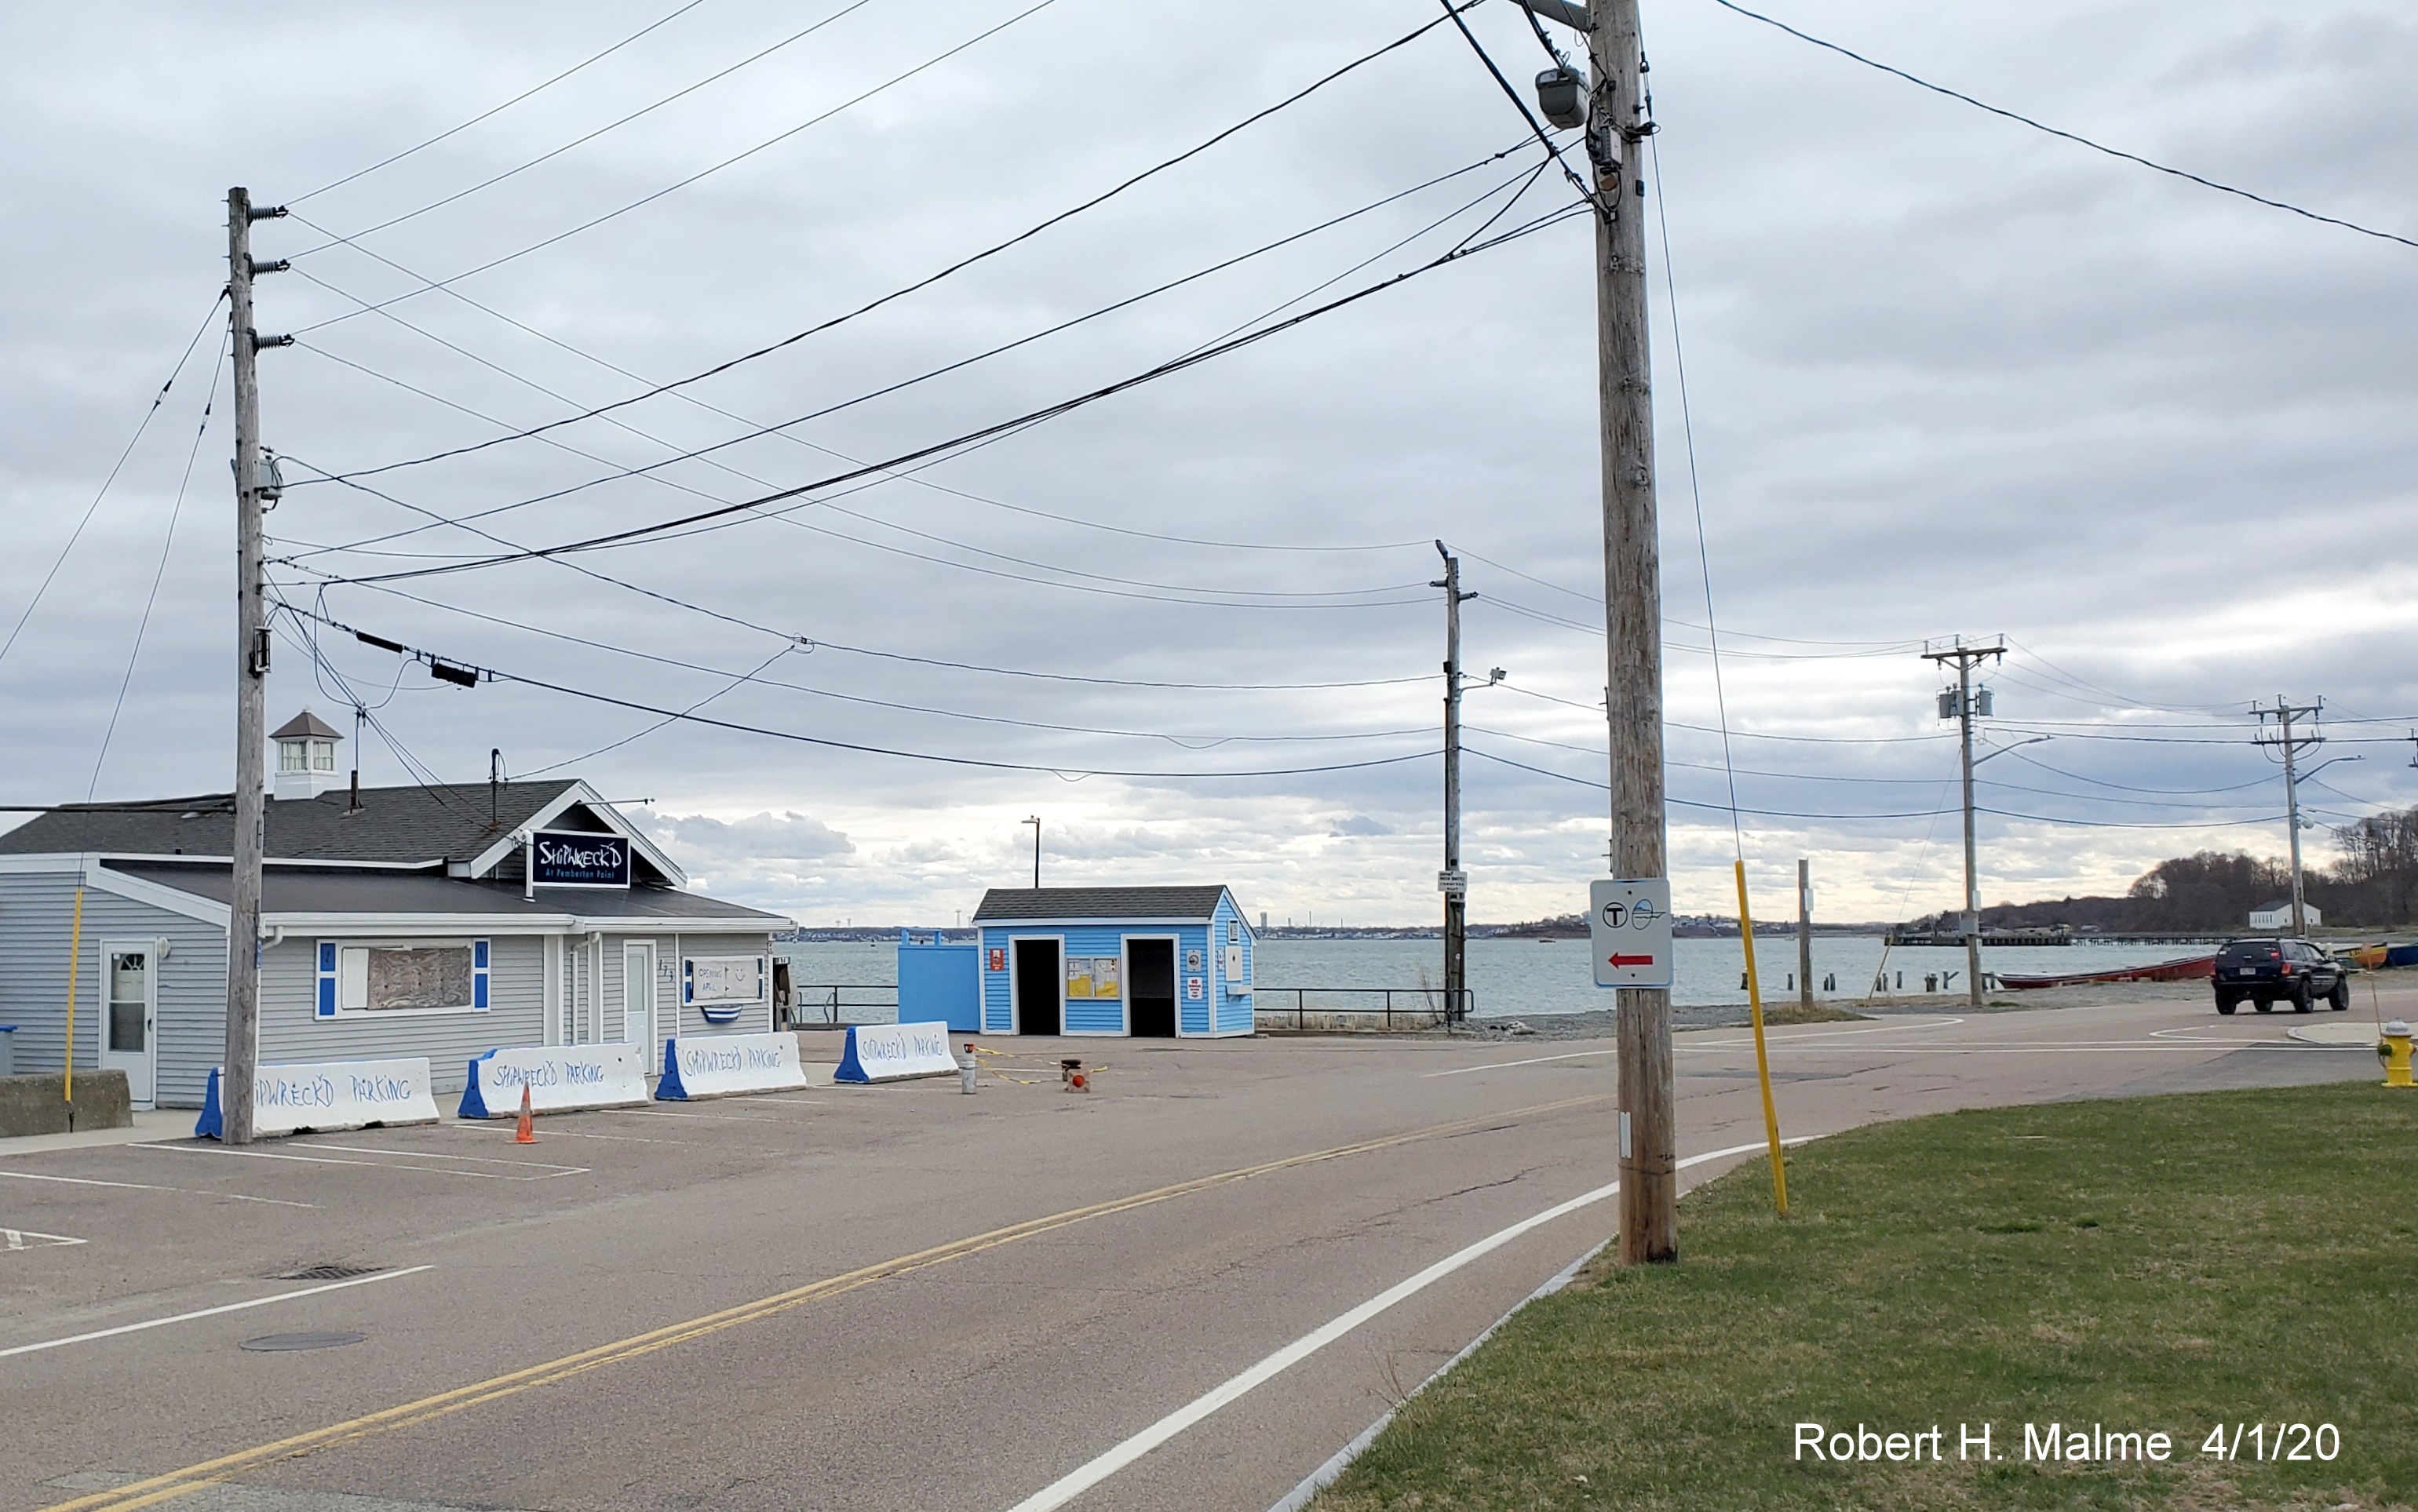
332 1094
894 1052
726 1065
560 1078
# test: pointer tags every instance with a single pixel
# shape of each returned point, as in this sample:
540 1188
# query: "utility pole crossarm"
1573 16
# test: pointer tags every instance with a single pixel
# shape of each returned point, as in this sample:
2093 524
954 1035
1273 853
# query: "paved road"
902 1297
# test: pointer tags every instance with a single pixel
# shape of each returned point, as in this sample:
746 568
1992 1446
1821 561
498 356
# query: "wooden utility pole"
1632 593
1616 127
250 682
1804 933
1958 703
2283 714
1452 882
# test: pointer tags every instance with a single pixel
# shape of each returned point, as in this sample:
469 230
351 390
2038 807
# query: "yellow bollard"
2394 1050
1762 1060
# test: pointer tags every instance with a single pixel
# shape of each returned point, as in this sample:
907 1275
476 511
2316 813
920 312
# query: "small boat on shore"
2191 969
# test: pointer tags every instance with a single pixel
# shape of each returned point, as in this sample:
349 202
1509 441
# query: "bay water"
1512 977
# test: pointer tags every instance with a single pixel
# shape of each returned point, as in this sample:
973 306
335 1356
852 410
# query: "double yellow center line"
209 1472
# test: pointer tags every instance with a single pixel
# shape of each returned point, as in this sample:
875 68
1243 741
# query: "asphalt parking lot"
1183 1288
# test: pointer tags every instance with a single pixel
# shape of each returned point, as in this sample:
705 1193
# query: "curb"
1325 1474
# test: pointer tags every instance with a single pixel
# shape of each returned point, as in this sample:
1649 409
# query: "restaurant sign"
571 858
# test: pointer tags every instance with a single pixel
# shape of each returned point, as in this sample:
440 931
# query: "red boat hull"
2194 968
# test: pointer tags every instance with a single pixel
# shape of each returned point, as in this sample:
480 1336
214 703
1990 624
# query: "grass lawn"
2160 1264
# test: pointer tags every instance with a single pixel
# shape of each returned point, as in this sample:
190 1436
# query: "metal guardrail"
1432 1007
831 999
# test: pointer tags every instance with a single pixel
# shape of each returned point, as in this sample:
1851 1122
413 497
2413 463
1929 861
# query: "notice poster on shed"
1089 978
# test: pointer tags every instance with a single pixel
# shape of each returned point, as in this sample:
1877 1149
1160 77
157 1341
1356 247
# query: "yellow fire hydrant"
2394 1050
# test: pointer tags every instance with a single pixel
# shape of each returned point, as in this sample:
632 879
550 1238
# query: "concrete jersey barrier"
895 1052
330 1094
726 1066
560 1078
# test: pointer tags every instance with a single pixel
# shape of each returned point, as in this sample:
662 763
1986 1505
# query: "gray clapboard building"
436 921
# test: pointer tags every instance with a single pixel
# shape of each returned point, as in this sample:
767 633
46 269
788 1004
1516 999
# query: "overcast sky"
1948 375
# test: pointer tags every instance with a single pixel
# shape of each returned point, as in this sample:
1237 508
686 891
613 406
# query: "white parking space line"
718 1117
138 1186
13 1240
1067 1488
573 1134
430 1154
548 1173
209 1312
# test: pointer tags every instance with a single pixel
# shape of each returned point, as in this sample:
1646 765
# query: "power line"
2080 140
498 110
1595 600
815 643
1047 412
670 189
1132 588
160 574
649 469
1788 814
1189 743
494 675
580 141
925 282
115 468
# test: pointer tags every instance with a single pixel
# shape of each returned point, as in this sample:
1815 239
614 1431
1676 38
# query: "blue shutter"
326 979
479 975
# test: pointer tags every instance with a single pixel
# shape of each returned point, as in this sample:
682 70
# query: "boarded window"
377 978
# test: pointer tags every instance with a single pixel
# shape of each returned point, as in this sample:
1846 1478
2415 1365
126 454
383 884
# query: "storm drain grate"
328 1272
280 1343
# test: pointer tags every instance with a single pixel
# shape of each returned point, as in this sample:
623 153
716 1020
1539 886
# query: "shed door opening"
1150 989
1037 985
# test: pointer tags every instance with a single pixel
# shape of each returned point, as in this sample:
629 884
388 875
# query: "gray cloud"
1944 374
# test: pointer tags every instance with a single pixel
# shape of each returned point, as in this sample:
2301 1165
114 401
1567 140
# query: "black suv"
2268 972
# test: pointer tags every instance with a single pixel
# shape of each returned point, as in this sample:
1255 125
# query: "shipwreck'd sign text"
570 858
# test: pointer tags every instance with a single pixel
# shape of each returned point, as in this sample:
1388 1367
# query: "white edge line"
1776 1039
209 1312
139 1186
1067 1488
1327 1474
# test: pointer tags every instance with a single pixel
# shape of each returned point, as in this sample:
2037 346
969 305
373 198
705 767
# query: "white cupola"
306 757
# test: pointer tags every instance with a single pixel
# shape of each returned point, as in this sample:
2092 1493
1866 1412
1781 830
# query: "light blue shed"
1142 962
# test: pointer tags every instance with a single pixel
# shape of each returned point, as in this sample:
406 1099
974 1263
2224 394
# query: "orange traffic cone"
526 1133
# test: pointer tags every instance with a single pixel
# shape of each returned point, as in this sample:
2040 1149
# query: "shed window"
433 976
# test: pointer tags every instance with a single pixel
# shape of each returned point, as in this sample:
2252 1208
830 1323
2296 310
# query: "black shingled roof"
1005 905
394 824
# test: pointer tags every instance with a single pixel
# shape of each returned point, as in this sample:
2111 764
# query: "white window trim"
417 942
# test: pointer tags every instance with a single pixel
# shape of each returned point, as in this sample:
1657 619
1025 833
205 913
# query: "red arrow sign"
1619 961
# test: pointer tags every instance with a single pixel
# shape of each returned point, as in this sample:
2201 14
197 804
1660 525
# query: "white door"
130 1011
638 1001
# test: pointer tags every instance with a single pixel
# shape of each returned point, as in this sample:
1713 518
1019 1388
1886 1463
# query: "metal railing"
1430 1010
820 1004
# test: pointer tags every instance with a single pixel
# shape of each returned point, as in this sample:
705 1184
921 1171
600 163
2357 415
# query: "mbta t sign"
1629 924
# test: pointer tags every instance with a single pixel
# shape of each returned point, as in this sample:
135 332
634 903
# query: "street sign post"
1628 922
